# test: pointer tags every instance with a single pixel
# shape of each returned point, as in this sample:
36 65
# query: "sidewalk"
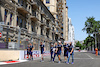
20 61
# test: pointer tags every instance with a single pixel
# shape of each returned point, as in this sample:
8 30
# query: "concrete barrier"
6 55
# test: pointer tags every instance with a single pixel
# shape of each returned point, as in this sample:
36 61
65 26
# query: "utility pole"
19 34
7 35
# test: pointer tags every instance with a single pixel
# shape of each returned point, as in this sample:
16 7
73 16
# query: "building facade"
60 12
71 36
33 18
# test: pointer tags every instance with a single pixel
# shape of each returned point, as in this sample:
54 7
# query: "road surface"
81 60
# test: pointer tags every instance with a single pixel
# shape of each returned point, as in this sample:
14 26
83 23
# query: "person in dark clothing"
55 51
30 49
51 52
42 51
60 50
65 51
70 52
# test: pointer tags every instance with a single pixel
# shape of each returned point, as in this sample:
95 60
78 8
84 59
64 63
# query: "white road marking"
86 58
89 56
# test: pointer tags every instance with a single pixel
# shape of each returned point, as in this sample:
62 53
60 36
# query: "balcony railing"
34 4
22 8
34 16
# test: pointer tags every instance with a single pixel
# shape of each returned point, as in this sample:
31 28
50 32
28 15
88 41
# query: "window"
18 1
21 23
25 25
62 34
22 3
32 28
29 7
57 16
48 7
5 17
11 18
17 21
56 30
47 1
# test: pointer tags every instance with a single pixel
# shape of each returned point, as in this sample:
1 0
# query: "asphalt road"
80 60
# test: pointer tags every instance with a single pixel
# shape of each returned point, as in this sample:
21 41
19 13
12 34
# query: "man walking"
51 52
42 51
71 52
60 50
65 50
30 49
55 51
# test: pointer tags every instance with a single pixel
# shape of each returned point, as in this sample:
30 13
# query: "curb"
19 61
12 62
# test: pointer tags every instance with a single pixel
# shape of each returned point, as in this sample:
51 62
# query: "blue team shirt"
29 48
59 47
65 47
51 49
42 47
70 48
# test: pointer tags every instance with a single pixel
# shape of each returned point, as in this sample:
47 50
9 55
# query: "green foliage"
78 44
89 41
91 25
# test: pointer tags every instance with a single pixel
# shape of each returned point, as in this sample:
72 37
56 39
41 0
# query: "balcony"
42 23
34 5
61 26
42 12
34 17
48 27
47 18
22 9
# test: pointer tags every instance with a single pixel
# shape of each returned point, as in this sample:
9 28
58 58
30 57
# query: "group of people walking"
66 49
56 49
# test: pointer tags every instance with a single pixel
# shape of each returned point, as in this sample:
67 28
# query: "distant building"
71 36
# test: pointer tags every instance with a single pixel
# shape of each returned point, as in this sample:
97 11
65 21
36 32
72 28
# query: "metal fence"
18 38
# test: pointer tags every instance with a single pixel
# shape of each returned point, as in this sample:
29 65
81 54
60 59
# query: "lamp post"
7 34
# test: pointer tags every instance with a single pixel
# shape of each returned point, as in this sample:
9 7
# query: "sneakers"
67 62
32 58
41 61
58 61
72 63
52 61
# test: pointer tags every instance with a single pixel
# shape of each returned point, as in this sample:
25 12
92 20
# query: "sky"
78 10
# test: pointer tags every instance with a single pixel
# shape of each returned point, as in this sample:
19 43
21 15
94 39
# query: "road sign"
0 34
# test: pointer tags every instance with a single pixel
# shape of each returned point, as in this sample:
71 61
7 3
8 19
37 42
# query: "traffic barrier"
36 54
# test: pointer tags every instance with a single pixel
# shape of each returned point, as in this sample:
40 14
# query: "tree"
91 25
78 44
89 41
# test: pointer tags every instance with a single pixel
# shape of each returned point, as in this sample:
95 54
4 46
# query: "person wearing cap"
60 50
42 51
70 52
51 52
55 51
65 50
